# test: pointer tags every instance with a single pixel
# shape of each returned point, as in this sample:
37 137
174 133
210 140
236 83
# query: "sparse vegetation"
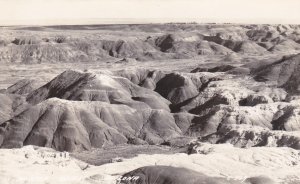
60 39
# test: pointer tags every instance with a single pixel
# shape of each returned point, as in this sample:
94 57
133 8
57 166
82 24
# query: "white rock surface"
44 166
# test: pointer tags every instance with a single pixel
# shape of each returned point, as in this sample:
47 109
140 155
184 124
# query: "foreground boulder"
172 175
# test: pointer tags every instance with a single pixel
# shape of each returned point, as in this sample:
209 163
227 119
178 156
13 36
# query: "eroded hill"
83 110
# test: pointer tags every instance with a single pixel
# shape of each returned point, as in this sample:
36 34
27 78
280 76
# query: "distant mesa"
151 42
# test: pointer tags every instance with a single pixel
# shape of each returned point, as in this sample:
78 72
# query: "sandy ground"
42 165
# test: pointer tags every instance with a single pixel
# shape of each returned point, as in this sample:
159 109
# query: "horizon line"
124 21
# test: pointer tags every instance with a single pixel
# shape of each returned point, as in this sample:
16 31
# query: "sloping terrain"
71 126
212 103
73 85
285 73
11 105
22 87
82 110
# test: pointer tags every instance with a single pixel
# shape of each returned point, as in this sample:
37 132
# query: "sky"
31 12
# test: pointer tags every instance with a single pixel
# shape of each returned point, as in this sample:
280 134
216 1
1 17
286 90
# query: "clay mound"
10 106
53 49
169 174
70 125
143 77
165 42
178 88
282 28
22 87
274 40
216 91
250 47
213 100
63 86
172 85
245 136
215 49
143 42
273 116
192 49
267 45
188 49
184 120
246 46
153 102
221 68
73 85
171 43
284 72
227 101
205 48
129 49
42 53
187 46
295 36
260 35
286 46
259 180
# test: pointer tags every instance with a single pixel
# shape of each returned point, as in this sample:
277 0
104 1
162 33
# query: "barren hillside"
214 103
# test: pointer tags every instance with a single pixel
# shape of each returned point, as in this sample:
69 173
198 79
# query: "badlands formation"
166 103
